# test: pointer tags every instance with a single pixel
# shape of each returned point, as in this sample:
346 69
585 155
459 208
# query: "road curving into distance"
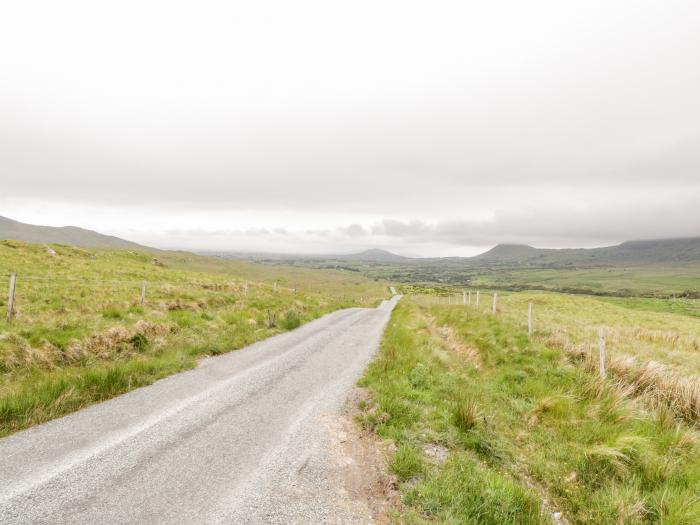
239 439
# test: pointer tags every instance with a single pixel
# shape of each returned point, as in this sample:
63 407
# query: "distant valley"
654 268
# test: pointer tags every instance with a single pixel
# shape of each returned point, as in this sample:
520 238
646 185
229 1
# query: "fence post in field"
245 289
464 298
529 320
601 352
11 296
469 297
495 299
143 292
274 287
477 298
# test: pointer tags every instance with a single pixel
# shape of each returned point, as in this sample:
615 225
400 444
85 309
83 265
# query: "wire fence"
667 382
573 329
32 294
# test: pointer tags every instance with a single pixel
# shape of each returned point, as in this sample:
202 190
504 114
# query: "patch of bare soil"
361 457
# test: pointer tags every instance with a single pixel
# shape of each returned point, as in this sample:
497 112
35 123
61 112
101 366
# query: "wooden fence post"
469 297
464 298
601 352
493 307
477 298
11 296
143 292
274 287
529 320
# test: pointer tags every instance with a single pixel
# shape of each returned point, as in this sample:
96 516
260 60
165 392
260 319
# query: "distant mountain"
18 231
505 256
660 250
686 250
509 252
373 255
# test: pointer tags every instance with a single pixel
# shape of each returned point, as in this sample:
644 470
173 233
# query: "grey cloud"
556 126
562 228
354 230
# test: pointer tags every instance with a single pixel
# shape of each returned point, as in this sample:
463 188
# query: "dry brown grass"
121 340
451 341
652 381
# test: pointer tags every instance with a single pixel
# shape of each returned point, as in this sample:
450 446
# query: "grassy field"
641 278
80 333
491 427
665 331
652 281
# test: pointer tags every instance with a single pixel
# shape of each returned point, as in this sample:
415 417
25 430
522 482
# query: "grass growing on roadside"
80 334
527 432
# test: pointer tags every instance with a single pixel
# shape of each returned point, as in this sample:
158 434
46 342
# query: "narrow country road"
240 439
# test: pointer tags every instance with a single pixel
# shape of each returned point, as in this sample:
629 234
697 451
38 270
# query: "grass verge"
528 437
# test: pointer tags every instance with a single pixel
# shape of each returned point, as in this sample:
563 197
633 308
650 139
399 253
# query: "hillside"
628 253
69 235
81 333
509 252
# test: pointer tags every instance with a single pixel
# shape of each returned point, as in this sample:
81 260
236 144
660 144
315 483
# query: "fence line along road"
143 286
466 299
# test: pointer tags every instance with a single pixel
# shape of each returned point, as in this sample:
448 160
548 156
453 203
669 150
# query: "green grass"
406 462
682 306
80 334
663 330
607 277
662 281
522 424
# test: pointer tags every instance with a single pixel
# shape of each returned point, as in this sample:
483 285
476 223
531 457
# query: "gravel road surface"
243 438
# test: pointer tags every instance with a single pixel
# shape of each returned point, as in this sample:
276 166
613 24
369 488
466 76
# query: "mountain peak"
509 251
374 255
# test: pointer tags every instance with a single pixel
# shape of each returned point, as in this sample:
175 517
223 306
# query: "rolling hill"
373 255
71 235
655 268
636 253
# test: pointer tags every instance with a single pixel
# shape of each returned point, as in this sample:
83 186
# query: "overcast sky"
427 128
